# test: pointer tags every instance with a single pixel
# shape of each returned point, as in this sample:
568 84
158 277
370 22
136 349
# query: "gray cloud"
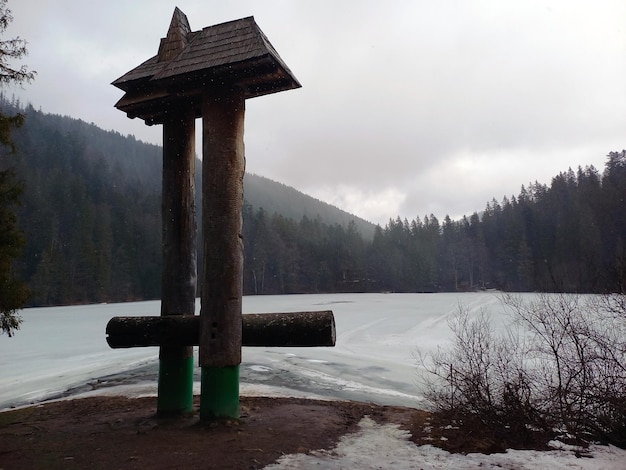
407 107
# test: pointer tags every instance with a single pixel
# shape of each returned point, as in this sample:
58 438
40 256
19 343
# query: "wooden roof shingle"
235 53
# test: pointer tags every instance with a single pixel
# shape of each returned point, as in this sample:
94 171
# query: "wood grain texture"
293 329
223 167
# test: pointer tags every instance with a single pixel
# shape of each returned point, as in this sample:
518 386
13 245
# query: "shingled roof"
190 62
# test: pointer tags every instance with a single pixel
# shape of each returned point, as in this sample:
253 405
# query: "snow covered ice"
59 348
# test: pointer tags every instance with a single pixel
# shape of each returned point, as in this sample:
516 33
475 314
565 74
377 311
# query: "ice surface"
59 348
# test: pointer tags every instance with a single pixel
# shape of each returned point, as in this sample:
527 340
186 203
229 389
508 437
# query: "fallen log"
293 329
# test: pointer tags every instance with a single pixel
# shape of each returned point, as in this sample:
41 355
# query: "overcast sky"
407 107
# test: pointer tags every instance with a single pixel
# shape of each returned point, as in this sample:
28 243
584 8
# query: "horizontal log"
294 329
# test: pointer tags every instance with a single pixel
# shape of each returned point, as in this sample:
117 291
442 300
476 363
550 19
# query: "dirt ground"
124 433
105 432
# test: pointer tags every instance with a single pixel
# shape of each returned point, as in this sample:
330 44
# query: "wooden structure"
208 74
190 64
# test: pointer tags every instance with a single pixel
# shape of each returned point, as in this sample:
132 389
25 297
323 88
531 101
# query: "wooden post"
223 166
175 389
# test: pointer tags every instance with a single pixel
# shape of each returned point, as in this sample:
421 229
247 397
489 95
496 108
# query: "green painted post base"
175 393
219 393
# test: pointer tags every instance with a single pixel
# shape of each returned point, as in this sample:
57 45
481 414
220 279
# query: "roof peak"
235 53
177 36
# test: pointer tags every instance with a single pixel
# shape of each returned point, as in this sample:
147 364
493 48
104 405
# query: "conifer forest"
90 217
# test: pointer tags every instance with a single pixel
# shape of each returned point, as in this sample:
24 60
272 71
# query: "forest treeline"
564 237
91 218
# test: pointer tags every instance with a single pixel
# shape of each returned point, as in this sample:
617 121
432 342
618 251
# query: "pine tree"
13 292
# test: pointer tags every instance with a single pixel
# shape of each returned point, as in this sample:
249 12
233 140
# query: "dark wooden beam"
294 329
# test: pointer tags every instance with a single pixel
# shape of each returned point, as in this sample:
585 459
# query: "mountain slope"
293 204
91 210
140 163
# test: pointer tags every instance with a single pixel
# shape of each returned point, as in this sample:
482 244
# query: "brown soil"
123 433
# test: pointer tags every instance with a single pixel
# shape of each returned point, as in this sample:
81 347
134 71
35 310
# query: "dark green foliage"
7 124
90 212
285 257
11 49
13 292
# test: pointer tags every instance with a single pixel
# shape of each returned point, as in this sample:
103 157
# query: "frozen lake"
62 350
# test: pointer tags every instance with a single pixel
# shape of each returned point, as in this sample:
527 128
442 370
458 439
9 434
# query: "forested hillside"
91 217
91 210
293 204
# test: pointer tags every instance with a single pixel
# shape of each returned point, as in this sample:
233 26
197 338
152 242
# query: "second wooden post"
179 256
223 167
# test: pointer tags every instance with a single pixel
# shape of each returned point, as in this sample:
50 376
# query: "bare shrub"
482 379
580 343
560 365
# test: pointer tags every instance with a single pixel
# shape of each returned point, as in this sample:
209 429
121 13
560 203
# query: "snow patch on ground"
377 446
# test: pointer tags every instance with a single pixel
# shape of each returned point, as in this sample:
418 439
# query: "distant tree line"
566 237
283 256
90 216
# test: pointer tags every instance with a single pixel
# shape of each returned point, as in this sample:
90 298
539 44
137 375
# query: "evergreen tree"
13 293
614 233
